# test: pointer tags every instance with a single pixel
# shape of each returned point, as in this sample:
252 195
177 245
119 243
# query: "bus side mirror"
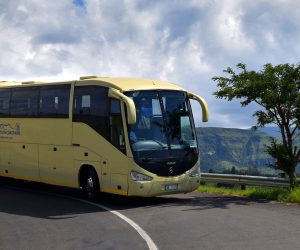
130 107
203 105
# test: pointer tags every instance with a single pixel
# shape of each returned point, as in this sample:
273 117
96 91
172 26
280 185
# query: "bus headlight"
135 176
194 173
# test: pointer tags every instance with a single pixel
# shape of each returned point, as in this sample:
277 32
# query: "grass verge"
278 194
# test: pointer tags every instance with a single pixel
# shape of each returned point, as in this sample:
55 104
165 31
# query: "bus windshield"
164 128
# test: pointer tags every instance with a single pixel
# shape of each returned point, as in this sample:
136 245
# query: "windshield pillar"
165 122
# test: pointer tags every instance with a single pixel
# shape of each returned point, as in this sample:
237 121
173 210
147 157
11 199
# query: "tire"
91 185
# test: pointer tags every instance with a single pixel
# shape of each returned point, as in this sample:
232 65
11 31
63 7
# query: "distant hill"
221 149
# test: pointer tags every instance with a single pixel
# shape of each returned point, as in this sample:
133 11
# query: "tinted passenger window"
24 102
54 101
4 102
91 106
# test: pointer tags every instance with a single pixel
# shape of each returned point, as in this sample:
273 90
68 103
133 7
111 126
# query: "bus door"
119 170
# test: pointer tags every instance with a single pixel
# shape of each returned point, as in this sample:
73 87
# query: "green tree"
276 90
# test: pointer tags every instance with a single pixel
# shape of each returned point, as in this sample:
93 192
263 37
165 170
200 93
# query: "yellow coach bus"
125 136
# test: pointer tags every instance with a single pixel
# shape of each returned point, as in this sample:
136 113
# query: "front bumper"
157 186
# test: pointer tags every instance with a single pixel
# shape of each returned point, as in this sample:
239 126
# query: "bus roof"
4 83
122 84
131 84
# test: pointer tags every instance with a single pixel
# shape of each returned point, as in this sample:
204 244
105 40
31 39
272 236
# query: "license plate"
170 187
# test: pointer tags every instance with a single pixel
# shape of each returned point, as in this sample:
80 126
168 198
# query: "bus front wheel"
91 186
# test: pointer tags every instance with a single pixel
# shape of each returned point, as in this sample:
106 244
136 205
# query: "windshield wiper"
146 158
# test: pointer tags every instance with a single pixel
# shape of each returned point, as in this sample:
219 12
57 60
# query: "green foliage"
276 89
278 151
294 196
221 190
278 194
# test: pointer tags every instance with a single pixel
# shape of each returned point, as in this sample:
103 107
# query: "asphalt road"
34 216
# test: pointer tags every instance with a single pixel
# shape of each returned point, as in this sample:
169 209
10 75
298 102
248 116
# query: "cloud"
187 42
229 28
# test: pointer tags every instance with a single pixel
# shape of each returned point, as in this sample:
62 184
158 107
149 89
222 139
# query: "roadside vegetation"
276 92
277 194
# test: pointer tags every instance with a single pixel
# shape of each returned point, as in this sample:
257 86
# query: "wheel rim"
89 186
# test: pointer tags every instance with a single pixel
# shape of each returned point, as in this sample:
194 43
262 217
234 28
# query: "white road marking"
140 231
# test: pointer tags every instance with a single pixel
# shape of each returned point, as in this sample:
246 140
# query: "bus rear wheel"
91 185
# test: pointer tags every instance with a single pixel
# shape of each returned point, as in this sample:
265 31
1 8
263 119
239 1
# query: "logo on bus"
9 129
171 164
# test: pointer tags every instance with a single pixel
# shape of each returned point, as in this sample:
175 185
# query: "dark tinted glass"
54 101
91 106
115 107
117 137
4 102
24 102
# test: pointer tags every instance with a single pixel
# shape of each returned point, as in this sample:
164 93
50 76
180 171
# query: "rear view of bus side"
118 135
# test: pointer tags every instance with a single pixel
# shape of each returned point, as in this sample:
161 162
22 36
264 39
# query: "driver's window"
116 126
145 113
91 107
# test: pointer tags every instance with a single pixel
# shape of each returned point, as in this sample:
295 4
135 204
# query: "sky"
185 42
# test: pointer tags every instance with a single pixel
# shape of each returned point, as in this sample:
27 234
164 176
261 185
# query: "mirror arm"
202 103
